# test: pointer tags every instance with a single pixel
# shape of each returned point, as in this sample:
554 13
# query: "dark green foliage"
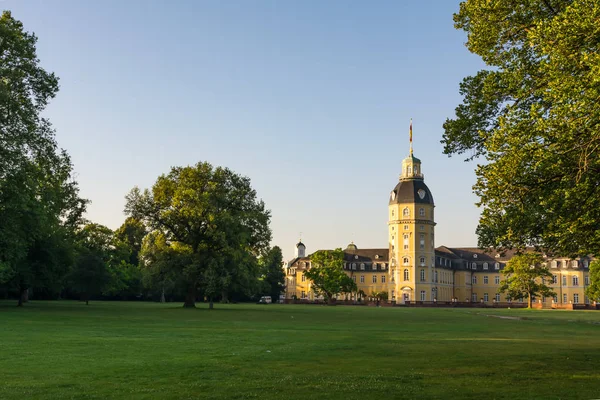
593 290
533 120
273 275
40 206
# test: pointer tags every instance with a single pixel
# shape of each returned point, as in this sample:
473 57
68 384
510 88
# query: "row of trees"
199 232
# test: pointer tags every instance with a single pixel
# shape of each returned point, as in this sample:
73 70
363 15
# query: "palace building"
411 269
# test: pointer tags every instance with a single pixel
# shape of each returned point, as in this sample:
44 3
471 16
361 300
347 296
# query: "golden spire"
410 137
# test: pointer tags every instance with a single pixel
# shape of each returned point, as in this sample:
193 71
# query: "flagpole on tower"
410 135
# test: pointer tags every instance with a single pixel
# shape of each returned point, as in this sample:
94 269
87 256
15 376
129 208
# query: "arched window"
473 266
485 265
406 276
497 266
406 212
422 260
405 261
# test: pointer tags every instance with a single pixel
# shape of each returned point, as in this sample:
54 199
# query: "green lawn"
112 350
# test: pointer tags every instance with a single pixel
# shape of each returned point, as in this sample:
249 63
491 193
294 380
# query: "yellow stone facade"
412 270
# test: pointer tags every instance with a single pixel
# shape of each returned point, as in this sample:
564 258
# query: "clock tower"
411 236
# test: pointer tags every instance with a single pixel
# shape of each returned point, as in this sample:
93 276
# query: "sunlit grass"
62 350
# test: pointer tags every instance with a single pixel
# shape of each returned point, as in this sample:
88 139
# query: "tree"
39 201
532 117
132 234
208 214
273 275
91 273
327 274
524 276
380 296
593 290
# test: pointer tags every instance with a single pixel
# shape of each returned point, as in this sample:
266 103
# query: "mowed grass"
118 350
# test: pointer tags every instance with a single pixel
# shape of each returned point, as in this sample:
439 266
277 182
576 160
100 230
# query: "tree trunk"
224 298
529 301
190 298
22 297
162 296
26 296
331 301
210 303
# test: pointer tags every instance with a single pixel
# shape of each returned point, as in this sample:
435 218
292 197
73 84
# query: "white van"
265 300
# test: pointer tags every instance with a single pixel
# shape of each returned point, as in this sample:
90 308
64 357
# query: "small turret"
300 250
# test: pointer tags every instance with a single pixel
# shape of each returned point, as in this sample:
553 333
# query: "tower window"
421 212
406 275
405 260
406 212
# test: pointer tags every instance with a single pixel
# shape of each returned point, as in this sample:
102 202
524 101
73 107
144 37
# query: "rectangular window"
354 279
497 279
575 281
575 298
486 297
382 278
422 275
422 295
565 298
303 294
564 281
474 280
554 279
362 279
586 280
422 241
374 278
474 297
497 297
485 280
303 278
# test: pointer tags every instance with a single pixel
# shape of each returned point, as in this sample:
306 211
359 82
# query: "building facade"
411 269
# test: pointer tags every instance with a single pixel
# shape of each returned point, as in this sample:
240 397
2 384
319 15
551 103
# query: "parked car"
265 300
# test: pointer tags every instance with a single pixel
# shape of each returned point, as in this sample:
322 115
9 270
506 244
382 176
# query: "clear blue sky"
311 99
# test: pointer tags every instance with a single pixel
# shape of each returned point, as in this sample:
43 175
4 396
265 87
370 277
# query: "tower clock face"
421 193
393 195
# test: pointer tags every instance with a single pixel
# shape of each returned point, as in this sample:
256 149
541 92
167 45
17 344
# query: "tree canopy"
327 274
273 276
593 290
525 276
206 218
40 207
533 119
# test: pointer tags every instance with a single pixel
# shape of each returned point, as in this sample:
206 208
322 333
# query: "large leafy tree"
273 275
327 274
593 290
533 119
207 215
39 201
525 276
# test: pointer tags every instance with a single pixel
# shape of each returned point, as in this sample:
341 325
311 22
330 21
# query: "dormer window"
356 257
362 266
474 255
485 265
473 266
497 266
